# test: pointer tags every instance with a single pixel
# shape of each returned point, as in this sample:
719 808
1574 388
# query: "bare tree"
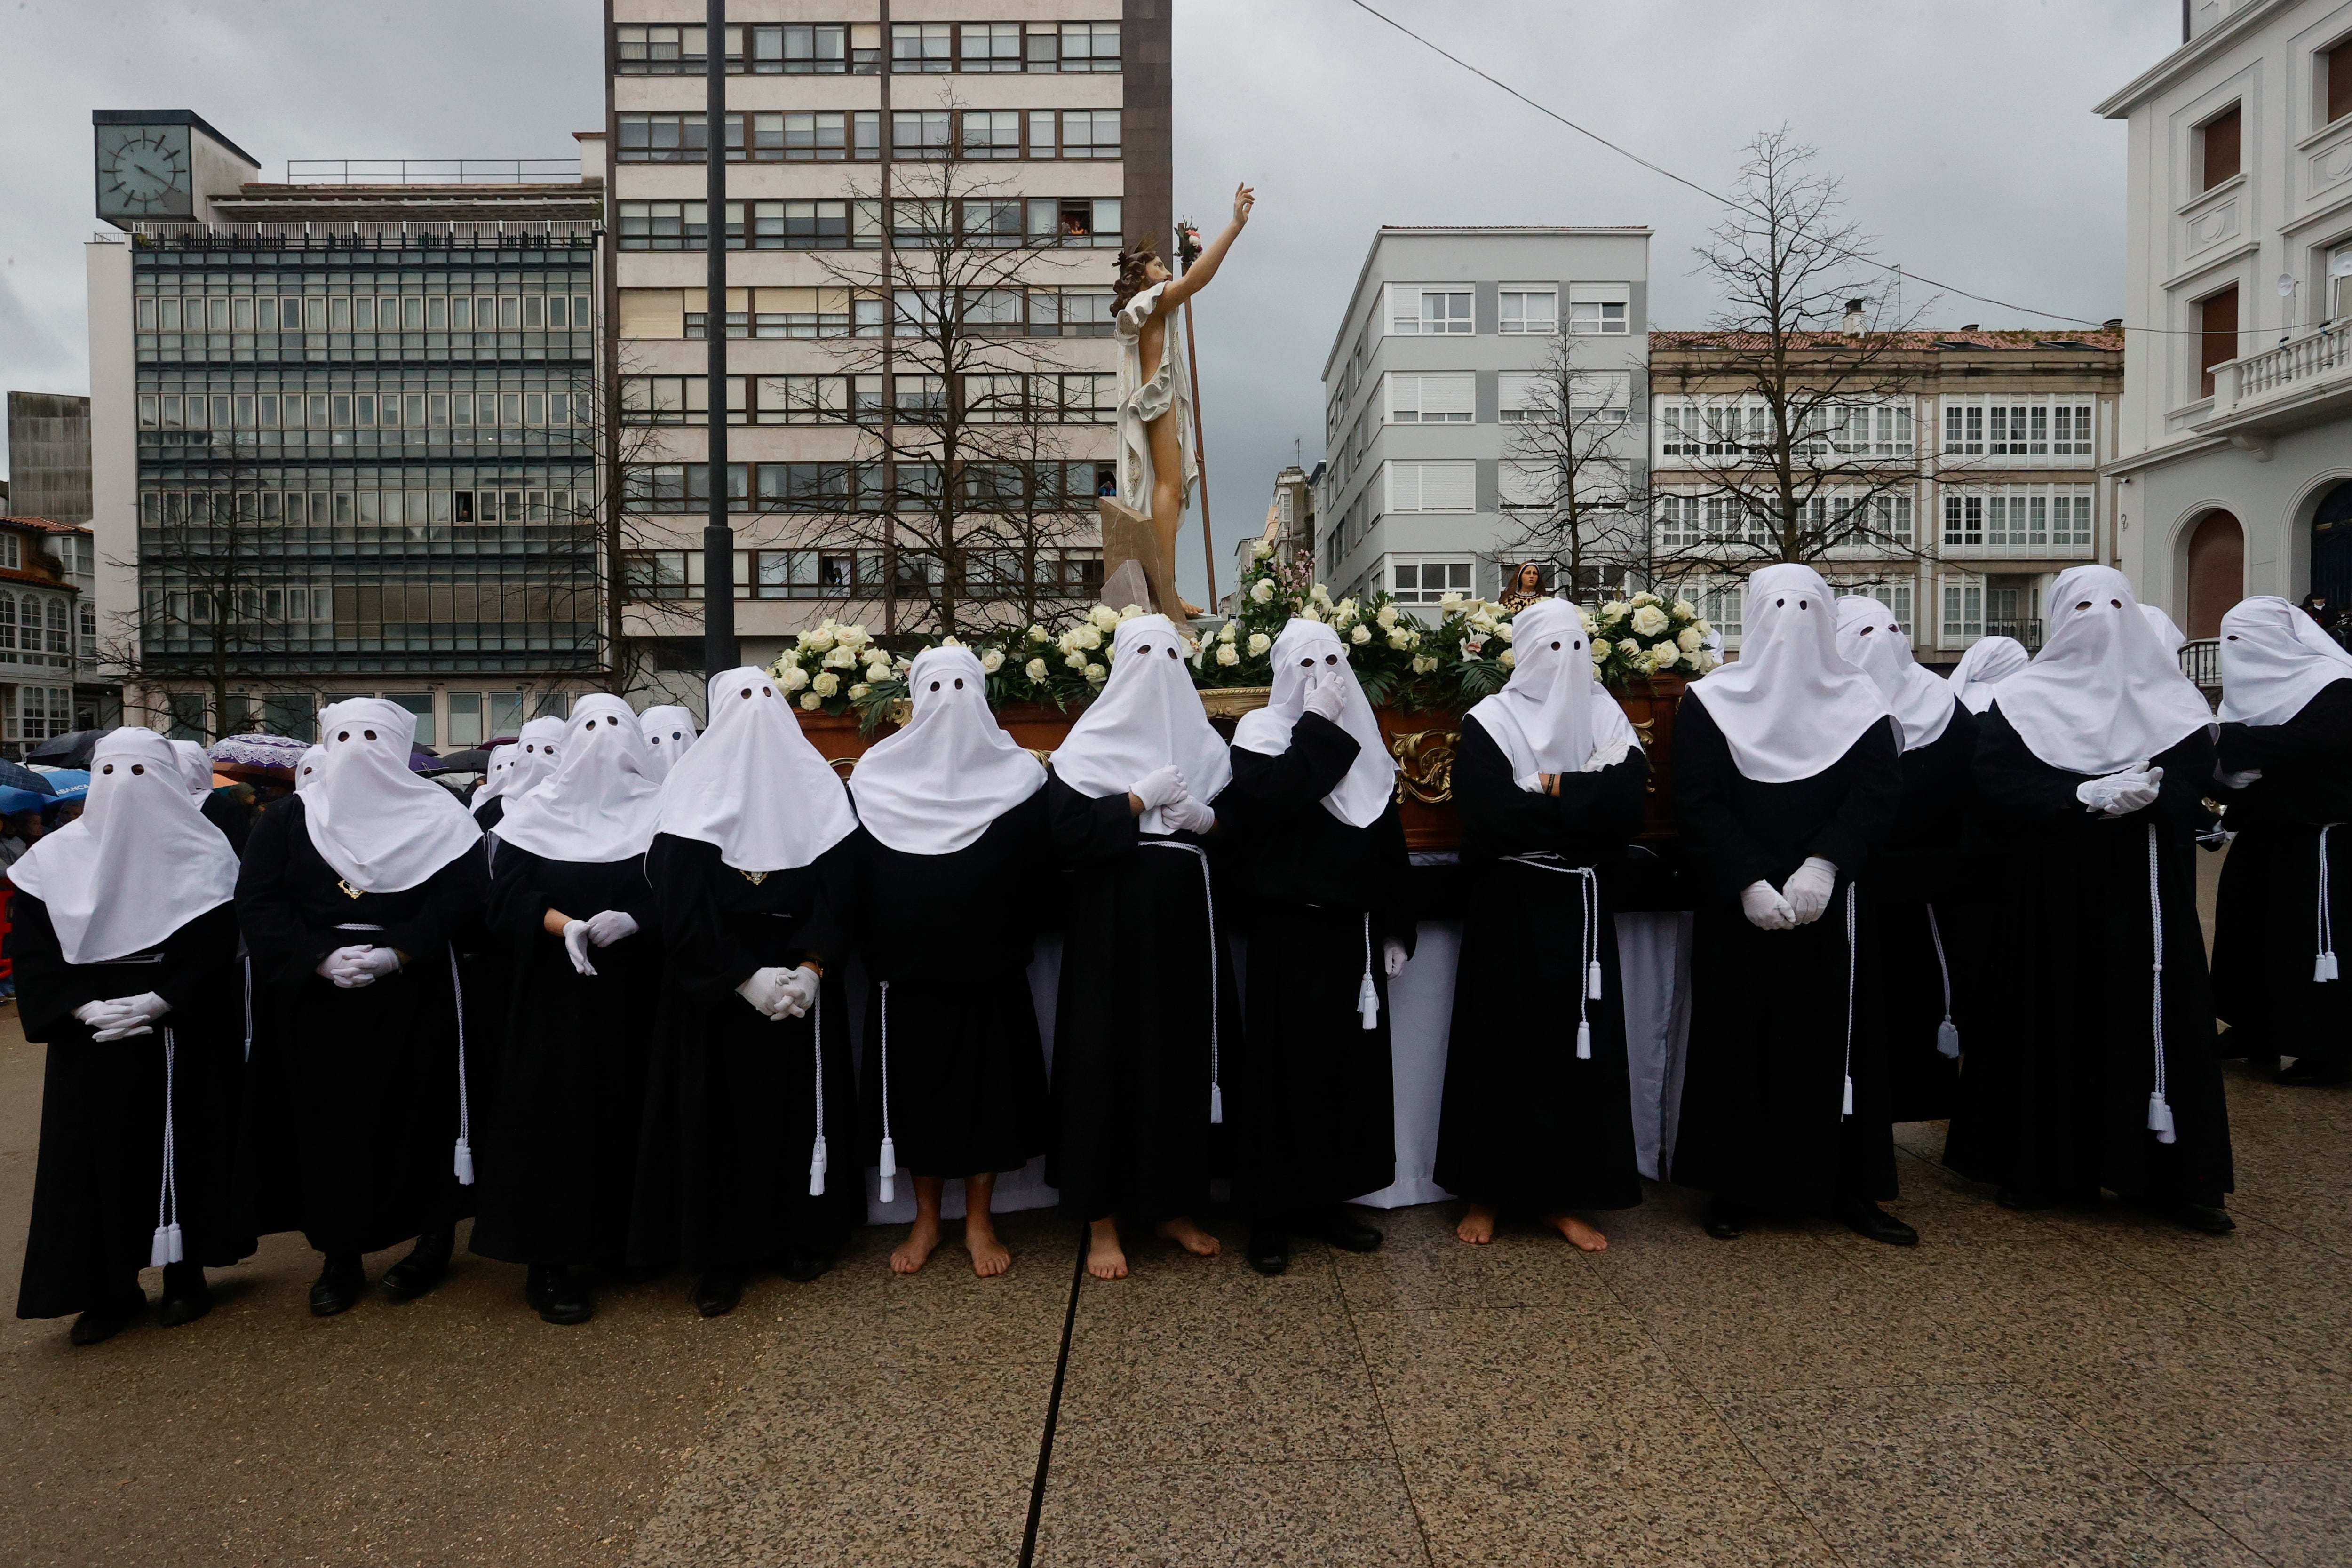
1573 459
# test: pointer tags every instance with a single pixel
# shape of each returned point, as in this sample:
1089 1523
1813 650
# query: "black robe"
731 1109
1922 905
353 1105
1313 1096
2055 1102
101 1169
1141 963
1527 1125
559 1180
491 812
1763 1093
951 937
2266 924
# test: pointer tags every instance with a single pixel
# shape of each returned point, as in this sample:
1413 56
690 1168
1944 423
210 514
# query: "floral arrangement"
1646 636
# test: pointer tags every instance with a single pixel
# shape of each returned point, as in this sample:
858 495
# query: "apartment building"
2234 456
48 634
343 430
1440 354
928 199
1976 455
48 456
1289 526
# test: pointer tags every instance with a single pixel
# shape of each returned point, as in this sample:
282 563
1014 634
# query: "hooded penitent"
753 784
935 786
599 803
195 768
2274 660
2169 637
1791 704
138 864
1147 717
668 730
1987 662
1305 655
1553 716
307 770
382 828
2104 693
517 768
1873 641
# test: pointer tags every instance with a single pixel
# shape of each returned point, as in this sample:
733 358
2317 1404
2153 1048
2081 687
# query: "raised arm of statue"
1197 276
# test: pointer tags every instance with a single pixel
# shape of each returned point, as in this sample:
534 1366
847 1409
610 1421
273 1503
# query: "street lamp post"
718 648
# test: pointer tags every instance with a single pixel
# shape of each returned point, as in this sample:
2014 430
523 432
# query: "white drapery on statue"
1142 399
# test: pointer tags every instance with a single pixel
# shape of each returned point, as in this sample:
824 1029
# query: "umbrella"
473 761
70 750
15 777
72 783
13 801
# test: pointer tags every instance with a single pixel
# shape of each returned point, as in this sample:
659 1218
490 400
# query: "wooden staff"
1188 250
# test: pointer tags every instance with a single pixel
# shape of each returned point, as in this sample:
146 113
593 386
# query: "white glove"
353 967
130 1016
2121 794
1327 697
1765 908
764 991
576 942
610 926
1188 815
1807 889
1393 956
796 993
1158 788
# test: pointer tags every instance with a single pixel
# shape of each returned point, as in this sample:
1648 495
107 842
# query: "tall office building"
343 433
927 198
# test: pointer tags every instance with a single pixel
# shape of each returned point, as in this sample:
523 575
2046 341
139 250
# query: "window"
805 138
1414 310
922 47
2336 83
1963 608
2217 149
664 225
669 399
663 574
1521 396
1431 487
2339 271
990 46
1447 399
419 703
1074 221
2019 519
1090 133
466 719
1679 429
1598 309
1600 396
1531 308
12 552
992 133
1089 47
919 133
2217 320
1426 579
1524 487
1722 605
658 51
1998 426
59 631
662 138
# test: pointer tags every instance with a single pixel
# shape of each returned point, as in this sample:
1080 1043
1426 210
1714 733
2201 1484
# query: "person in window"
1788 780
359 1123
1548 778
126 938
2093 765
570 903
1525 587
2286 751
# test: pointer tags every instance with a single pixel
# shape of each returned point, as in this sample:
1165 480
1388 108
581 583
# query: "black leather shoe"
1269 1250
338 1285
1868 1219
716 1293
549 1288
2314 1072
426 1265
801 1267
100 1324
2210 1219
1342 1229
1723 1219
187 1296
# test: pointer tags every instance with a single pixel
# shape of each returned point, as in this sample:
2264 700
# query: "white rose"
1360 635
1087 637
1688 640
1423 664
1601 648
1346 608
826 684
1035 670
1259 642
839 659
1590 625
1482 621
1646 597
993 661
1128 612
1318 595
1264 549
1096 672
817 640
1387 616
1614 610
1507 632
1510 657
1229 631
1664 655
1684 610
1262 591
1228 655
1073 660
1648 621
860 690
1103 616
1400 638
792 678
1309 612
1703 628
811 701
855 637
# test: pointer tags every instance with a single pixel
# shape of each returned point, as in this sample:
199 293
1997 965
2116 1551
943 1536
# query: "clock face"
143 171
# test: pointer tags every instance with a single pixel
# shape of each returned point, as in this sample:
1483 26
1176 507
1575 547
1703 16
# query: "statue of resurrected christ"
1157 465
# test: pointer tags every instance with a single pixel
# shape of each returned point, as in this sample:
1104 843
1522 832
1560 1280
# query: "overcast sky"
1963 134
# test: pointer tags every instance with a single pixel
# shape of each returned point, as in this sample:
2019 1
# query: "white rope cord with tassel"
1368 996
167 1246
245 956
1588 947
1209 898
2159 1110
1948 1034
1850 970
816 1153
463 1159
2323 966
889 1144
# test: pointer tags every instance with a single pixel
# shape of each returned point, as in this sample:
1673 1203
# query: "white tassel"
1216 1105
1848 1109
165 1247
816 1168
1593 980
2323 968
889 1171
1368 1003
1584 1041
1947 1039
464 1164
2159 1118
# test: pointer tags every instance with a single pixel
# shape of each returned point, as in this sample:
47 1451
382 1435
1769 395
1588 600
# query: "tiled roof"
43 524
1963 337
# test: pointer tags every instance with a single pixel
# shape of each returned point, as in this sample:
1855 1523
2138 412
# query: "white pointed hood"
599 803
1872 642
669 730
307 769
1306 654
2167 635
2274 660
382 828
1552 716
753 784
195 769
518 767
2103 693
1986 663
1147 717
934 787
138 864
1791 704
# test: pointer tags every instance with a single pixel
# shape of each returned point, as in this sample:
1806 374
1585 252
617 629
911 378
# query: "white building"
2235 450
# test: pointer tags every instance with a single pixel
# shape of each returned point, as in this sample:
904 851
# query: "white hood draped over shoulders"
1553 716
2274 660
1308 654
1984 665
1873 641
753 784
598 804
1147 717
2104 692
935 786
1791 704
382 827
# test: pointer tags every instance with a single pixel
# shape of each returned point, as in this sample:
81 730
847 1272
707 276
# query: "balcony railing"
2201 662
431 171
2311 367
2028 633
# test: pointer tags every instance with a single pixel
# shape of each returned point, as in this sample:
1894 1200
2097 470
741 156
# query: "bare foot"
1105 1258
1188 1235
989 1256
1477 1227
1585 1238
921 1241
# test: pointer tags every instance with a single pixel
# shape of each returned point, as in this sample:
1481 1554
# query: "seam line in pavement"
1054 1407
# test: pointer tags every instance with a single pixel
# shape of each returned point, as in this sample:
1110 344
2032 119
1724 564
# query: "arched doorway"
2331 546
2217 572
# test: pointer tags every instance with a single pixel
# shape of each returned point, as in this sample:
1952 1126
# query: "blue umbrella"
15 775
13 801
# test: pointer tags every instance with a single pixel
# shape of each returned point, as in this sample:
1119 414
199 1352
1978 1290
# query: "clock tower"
164 165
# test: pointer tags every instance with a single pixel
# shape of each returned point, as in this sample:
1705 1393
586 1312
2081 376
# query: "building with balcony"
48 632
1974 457
1289 526
2234 453
927 213
344 434
1438 365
